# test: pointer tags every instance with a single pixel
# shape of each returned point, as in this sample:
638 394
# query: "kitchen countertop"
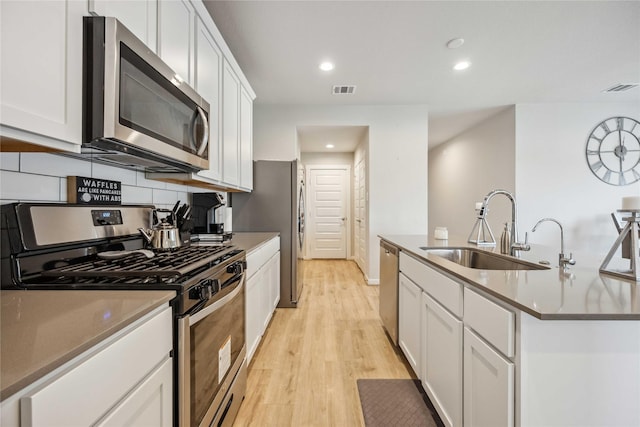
244 240
581 293
252 241
42 330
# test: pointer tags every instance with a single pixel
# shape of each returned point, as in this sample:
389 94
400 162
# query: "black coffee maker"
203 213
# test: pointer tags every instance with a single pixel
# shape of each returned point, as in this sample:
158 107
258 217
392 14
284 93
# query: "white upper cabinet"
246 139
208 64
41 72
140 17
207 81
41 78
176 33
230 126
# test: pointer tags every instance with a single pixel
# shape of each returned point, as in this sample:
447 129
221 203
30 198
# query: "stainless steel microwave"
137 112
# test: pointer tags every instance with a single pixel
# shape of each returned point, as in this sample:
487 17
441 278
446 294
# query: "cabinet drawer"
110 373
258 257
492 322
443 289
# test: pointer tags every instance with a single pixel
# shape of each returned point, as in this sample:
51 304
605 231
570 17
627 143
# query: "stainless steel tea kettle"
164 235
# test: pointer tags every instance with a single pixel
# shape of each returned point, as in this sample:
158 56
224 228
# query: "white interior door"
328 190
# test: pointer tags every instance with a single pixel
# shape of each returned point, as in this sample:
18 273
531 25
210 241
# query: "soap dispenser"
505 240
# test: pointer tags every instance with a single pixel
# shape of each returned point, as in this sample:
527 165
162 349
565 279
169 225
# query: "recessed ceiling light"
329 145
462 65
455 43
327 66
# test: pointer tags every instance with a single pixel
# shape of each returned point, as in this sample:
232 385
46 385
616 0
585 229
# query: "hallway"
304 372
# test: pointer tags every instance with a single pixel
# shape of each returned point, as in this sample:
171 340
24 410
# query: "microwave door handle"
205 137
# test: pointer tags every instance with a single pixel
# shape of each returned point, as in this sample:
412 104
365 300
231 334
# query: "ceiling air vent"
344 90
621 87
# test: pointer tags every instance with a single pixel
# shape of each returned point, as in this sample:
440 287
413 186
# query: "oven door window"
212 339
153 105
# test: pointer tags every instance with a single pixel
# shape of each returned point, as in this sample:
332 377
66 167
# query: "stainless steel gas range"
57 246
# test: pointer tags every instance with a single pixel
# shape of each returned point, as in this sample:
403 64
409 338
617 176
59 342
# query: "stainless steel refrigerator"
277 204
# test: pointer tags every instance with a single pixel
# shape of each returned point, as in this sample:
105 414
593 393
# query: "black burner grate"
134 268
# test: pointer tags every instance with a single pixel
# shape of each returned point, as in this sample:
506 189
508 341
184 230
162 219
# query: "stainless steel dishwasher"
389 289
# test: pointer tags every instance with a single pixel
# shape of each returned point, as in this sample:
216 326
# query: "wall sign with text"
93 191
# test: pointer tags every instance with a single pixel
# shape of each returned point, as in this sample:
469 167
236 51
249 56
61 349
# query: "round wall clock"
613 151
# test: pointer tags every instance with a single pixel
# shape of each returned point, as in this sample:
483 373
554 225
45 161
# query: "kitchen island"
581 292
519 347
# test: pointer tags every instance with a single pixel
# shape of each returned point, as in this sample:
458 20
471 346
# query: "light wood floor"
304 372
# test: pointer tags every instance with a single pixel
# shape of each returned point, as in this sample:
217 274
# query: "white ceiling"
313 139
395 53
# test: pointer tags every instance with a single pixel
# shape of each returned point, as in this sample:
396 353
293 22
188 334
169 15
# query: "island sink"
482 260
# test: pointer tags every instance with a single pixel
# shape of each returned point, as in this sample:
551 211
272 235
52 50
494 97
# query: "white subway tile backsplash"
125 176
183 197
164 197
63 190
175 187
53 165
136 195
42 177
24 186
142 181
10 161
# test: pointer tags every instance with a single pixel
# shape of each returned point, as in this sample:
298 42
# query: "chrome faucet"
514 245
563 261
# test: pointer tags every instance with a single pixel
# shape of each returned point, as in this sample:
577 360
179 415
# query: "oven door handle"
196 317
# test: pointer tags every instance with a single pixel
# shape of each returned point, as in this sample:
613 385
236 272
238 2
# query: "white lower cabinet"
409 333
442 360
149 405
263 292
459 343
484 363
124 381
274 282
488 384
254 311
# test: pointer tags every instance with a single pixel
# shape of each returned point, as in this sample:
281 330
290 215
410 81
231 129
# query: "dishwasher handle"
388 249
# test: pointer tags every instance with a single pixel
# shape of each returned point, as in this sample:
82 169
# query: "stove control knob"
202 291
235 268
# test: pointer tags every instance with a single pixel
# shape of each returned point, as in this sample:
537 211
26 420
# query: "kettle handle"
169 211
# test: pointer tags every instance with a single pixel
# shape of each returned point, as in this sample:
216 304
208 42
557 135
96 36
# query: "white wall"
397 159
362 154
554 180
42 177
464 169
546 144
326 158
